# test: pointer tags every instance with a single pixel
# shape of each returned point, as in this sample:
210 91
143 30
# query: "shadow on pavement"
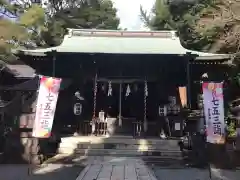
46 172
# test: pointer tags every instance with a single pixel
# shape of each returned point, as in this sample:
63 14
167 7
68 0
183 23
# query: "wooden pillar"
54 53
145 122
188 58
120 105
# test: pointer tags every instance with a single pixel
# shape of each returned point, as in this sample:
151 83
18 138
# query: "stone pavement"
116 168
46 172
128 168
111 168
195 174
117 172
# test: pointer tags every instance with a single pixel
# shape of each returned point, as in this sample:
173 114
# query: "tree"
181 17
203 25
46 27
86 14
51 24
34 21
13 8
20 26
12 35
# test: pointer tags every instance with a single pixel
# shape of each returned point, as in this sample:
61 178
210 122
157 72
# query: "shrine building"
143 82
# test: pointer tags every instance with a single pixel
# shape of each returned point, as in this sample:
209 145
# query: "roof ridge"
121 33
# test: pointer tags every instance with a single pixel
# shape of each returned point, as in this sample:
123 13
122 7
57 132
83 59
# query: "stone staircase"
156 151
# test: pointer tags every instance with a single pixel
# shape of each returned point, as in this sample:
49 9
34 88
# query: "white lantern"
77 109
162 111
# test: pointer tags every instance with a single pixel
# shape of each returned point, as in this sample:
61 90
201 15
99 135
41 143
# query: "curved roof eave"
199 55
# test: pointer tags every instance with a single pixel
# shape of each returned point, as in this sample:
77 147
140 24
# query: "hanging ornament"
109 88
146 88
128 91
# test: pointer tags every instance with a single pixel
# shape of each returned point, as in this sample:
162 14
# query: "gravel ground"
48 172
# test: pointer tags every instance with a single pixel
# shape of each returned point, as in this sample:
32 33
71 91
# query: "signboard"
183 95
46 105
214 112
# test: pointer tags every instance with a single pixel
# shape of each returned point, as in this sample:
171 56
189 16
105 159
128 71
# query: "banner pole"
205 136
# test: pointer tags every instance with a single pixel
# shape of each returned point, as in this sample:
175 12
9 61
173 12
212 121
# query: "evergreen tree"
29 25
209 25
86 14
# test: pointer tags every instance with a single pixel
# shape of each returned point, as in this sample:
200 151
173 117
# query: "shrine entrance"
123 105
123 98
132 107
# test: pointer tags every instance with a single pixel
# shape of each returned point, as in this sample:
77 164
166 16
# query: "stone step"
117 146
83 160
119 152
167 163
1 157
118 143
129 140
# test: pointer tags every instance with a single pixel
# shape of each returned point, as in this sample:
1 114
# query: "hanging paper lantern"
162 110
77 109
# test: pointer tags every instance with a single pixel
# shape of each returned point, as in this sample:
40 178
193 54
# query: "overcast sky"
129 11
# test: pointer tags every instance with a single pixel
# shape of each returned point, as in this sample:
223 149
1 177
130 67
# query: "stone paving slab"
116 172
122 168
196 174
47 172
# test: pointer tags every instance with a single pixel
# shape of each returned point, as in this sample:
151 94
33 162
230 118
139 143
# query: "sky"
129 12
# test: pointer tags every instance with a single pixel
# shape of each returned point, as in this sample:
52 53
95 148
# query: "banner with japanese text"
214 112
46 105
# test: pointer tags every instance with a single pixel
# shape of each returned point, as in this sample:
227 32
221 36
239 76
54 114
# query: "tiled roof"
121 42
21 71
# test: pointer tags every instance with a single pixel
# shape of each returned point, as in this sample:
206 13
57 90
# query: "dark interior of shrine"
125 73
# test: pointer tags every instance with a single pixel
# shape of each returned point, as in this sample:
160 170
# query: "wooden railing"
100 128
137 128
86 128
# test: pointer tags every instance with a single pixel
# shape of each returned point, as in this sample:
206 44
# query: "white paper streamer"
128 91
109 88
